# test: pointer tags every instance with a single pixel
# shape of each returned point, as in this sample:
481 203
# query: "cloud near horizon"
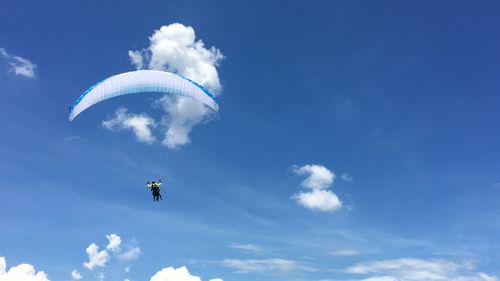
175 48
410 269
21 272
176 274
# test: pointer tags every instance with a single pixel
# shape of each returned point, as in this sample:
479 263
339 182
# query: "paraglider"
142 81
155 190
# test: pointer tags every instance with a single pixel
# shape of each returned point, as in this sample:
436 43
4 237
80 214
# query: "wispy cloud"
410 269
18 65
344 253
248 248
72 138
318 197
347 177
273 265
131 254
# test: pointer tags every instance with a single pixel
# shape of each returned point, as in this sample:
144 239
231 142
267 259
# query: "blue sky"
401 97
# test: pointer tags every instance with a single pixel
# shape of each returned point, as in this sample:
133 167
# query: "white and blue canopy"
142 81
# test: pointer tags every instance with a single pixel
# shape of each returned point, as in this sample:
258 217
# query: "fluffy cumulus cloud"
75 275
114 242
408 269
96 258
22 272
18 65
176 274
319 200
139 124
317 197
318 177
175 48
266 265
100 258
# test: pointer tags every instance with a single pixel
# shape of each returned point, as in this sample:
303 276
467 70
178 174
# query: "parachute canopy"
142 81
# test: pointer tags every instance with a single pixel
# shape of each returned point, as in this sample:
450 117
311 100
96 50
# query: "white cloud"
485 277
344 253
266 265
347 177
114 242
216 279
75 275
130 254
319 200
408 269
248 248
19 65
176 274
139 124
318 177
136 59
127 269
183 114
22 272
96 258
381 278
318 180
101 276
175 48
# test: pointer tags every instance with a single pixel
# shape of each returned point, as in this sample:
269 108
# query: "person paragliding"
155 190
143 82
